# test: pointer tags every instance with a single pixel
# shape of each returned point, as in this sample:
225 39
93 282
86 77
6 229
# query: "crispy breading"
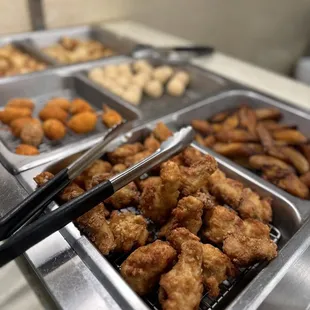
90 182
151 143
162 132
49 112
179 236
119 155
181 288
191 155
43 178
131 160
202 126
255 229
18 124
32 134
79 105
10 114
62 103
20 103
71 191
207 200
54 129
143 268
110 117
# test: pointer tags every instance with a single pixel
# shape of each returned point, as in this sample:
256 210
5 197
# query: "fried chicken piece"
237 149
83 122
32 134
296 159
179 236
231 122
150 181
99 166
162 132
54 129
119 155
235 135
151 143
247 118
267 114
158 199
79 105
244 251
49 112
202 126
118 168
217 127
216 268
129 230
90 182
291 136
95 226
110 117
131 160
181 288
219 117
191 155
43 178
20 103
62 103
264 162
143 268
71 191
219 222
10 114
225 189
255 229
196 176
188 214
208 201
18 124
27 150
305 178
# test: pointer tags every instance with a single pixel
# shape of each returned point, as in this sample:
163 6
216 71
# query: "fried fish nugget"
174 292
131 160
32 134
296 159
110 117
143 268
80 105
264 162
18 124
236 149
28 150
129 230
20 103
53 112
247 118
235 135
162 132
202 126
62 103
83 122
10 114
255 229
119 155
291 136
54 129
179 236
99 166
267 114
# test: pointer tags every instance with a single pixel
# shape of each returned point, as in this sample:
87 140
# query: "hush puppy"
54 129
20 103
110 117
24 149
32 134
10 114
53 112
79 105
83 122
62 103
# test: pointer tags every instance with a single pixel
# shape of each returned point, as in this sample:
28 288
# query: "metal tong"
44 226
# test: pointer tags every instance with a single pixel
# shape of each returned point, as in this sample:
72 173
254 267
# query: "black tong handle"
53 221
201 50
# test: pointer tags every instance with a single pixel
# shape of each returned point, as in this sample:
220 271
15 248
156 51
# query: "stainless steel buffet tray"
288 218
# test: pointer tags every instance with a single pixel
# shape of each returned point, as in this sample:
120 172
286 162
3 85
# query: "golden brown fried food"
97 167
20 103
162 132
80 105
62 103
83 122
264 162
306 150
216 268
151 143
32 134
54 129
206 198
181 288
191 155
244 251
196 176
247 118
217 127
53 112
131 160
209 141
71 191
159 198
296 159
267 114
271 125
129 230
305 178
118 168
255 229
179 236
199 138
43 178
110 117
90 182
291 136
225 189
28 150
235 135
236 149
219 222
230 122
219 117
119 155
18 124
10 114
143 268
188 214
202 126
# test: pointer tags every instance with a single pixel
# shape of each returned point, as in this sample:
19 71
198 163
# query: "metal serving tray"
287 220
203 83
41 88
230 100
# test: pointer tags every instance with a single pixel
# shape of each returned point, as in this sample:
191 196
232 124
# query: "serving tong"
23 228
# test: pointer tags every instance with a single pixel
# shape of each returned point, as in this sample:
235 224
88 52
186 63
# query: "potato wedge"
247 118
235 135
237 149
219 117
296 159
202 126
291 136
267 113
264 162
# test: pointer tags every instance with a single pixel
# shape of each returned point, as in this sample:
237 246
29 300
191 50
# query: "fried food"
32 134
306 150
188 214
20 103
235 135
49 112
10 114
162 132
216 268
191 155
129 230
119 155
291 136
237 149
83 122
219 117
305 178
199 138
110 117
143 268
118 168
159 199
71 191
18 124
43 178
28 150
231 122
131 160
202 126
255 229
151 143
267 114
264 162
181 288
209 141
179 236
79 105
62 103
54 129
296 159
247 118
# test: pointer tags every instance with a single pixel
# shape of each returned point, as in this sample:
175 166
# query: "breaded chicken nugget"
10 114
110 117
54 129
53 112
79 105
24 149
83 122
62 103
20 103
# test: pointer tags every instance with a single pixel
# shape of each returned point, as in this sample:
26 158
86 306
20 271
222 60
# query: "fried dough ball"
111 71
124 69
20 103
53 112
54 129
133 95
162 73
140 79
154 89
32 134
110 117
175 88
83 122
183 77
10 114
123 81
71 191
142 66
80 105
24 149
18 124
62 103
